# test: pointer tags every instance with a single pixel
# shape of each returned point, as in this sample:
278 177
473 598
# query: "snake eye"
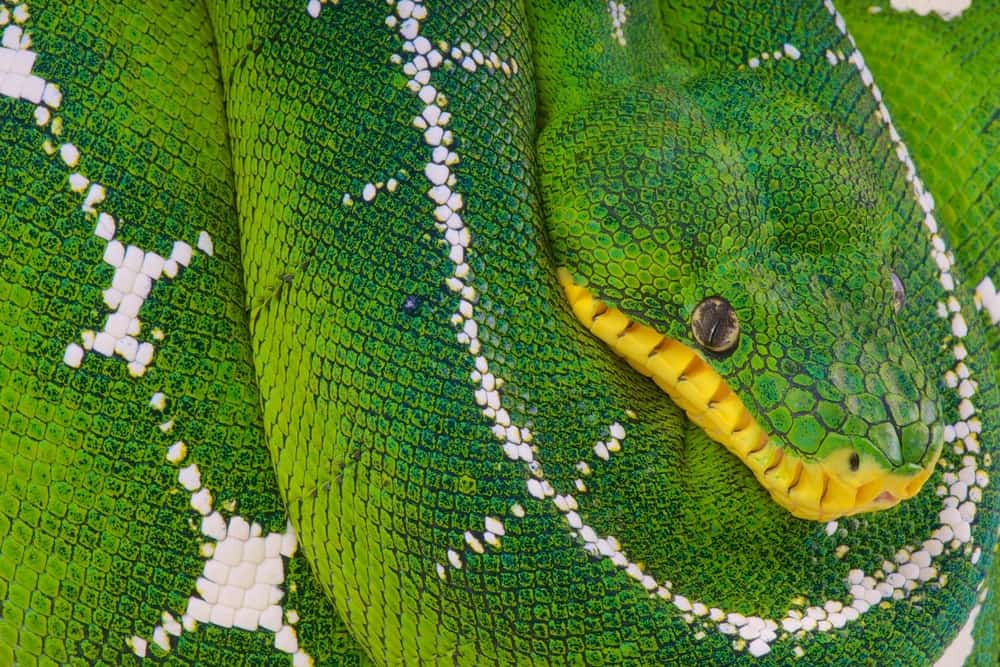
898 293
715 326
855 461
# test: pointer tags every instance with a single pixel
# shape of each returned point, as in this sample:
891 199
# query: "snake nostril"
855 462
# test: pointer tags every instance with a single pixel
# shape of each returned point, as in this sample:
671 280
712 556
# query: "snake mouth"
809 488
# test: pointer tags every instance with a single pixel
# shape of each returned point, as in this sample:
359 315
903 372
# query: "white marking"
789 50
158 402
73 356
619 15
95 196
42 116
78 182
962 645
190 477
946 9
987 297
433 122
69 154
205 243
14 38
494 526
177 452
138 645
201 501
52 96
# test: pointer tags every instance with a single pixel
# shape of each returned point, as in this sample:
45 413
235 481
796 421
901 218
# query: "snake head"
729 241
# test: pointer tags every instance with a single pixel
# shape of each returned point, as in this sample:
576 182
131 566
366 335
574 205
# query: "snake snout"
892 433
863 438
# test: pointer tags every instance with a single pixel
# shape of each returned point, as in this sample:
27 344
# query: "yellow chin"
819 490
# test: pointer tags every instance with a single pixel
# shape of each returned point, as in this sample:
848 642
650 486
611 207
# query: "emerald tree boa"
288 375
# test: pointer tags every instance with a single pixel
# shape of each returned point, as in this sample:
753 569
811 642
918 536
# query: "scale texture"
287 375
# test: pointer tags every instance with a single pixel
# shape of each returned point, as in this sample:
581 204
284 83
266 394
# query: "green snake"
590 333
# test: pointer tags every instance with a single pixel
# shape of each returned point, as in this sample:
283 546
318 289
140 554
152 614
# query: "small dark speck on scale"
412 304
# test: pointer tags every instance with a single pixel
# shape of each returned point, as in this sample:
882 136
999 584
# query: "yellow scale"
810 489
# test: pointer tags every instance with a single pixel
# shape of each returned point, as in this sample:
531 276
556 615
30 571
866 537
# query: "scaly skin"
806 247
396 348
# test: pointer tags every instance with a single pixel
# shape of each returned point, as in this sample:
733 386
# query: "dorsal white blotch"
241 584
371 190
136 271
158 401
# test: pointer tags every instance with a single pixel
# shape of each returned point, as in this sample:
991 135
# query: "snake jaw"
809 488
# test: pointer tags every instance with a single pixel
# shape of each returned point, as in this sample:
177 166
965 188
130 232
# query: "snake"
337 332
